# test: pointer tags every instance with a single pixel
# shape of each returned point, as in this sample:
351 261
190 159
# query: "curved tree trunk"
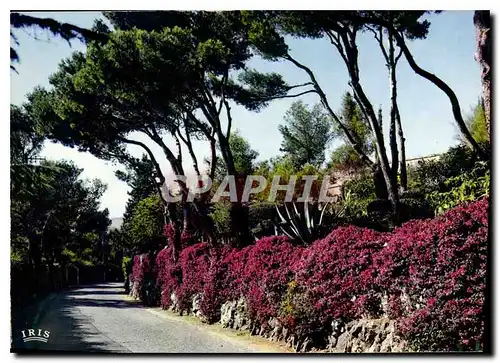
455 105
482 23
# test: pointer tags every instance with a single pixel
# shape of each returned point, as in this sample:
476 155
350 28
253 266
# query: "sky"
425 110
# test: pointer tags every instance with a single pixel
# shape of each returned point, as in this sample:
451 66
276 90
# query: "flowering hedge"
440 267
429 275
143 276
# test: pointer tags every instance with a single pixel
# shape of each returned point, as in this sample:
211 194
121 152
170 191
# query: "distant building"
339 178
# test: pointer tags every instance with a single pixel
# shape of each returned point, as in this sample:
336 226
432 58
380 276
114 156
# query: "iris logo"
32 335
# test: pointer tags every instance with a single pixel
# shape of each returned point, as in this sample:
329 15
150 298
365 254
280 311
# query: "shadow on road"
70 329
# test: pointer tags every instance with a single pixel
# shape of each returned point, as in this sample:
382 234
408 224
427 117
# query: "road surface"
100 318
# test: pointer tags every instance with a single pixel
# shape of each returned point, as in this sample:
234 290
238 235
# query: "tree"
169 81
345 157
141 180
366 18
306 134
145 226
482 23
341 29
64 30
25 147
269 29
409 25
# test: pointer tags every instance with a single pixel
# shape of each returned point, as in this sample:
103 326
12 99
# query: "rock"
196 305
226 313
367 336
304 345
173 299
234 314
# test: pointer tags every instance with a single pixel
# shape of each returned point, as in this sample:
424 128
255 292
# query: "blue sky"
426 114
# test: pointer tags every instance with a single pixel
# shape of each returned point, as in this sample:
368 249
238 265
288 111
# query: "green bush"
430 175
127 270
462 188
357 194
222 218
260 219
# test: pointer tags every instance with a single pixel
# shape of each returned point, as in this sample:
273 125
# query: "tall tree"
140 177
409 25
482 23
306 134
364 18
268 31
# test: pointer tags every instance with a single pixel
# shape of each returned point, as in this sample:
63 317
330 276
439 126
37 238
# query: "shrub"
261 274
435 269
466 187
127 270
431 272
194 263
338 276
357 195
169 276
429 175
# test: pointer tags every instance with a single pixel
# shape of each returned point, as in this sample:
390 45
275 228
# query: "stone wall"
359 336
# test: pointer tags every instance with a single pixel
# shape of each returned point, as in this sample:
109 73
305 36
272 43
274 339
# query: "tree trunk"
238 213
379 182
482 23
176 243
392 128
402 140
351 59
455 105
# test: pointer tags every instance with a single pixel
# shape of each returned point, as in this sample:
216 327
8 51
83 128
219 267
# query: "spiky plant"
305 222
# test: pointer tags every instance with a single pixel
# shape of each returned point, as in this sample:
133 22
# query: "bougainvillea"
144 278
439 266
429 275
169 276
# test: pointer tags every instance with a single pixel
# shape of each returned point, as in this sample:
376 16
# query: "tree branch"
455 105
351 140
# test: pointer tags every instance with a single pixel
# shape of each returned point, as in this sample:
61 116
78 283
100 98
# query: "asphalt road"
99 318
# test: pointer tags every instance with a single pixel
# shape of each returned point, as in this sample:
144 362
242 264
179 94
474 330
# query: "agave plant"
305 222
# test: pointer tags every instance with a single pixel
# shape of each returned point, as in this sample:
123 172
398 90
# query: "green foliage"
126 267
476 123
462 188
244 156
140 177
357 194
283 166
56 216
345 157
306 134
221 217
145 226
429 175
352 117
